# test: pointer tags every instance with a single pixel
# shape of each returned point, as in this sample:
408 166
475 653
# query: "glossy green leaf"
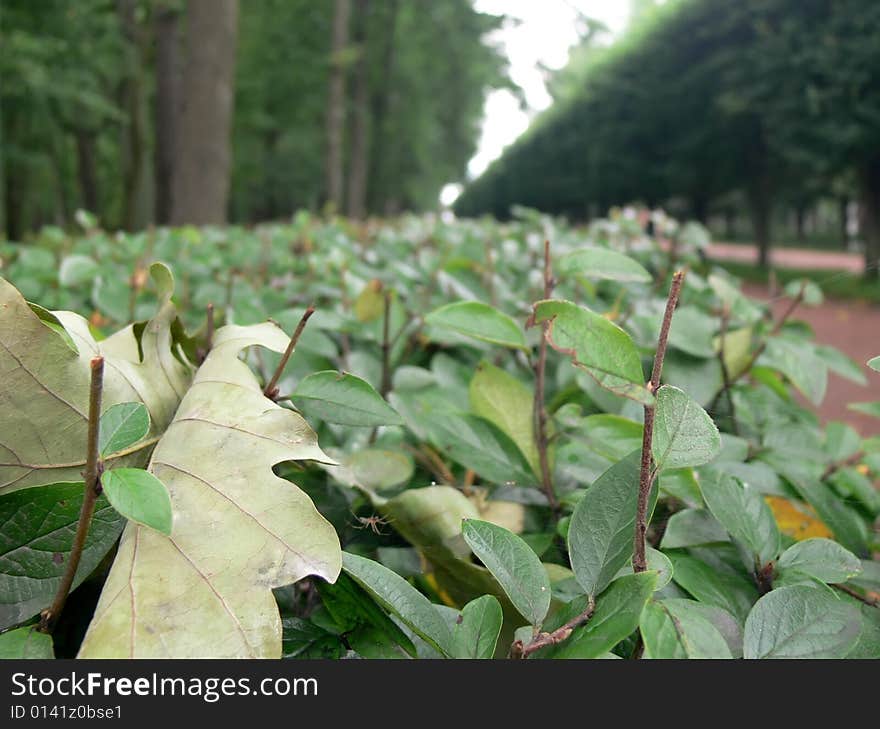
798 361
657 562
139 496
821 558
479 321
602 263
801 622
743 512
122 425
596 345
304 639
874 364
343 398
513 563
684 434
400 598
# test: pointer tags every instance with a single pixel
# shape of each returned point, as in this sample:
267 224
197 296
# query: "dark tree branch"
646 472
92 475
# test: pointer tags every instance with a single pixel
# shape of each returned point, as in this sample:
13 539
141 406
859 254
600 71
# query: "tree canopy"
770 99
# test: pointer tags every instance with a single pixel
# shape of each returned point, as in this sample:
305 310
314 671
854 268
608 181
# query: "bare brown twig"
92 474
271 389
542 640
646 473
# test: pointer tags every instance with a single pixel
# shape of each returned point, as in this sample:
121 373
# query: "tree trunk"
358 166
843 221
200 189
869 184
336 106
135 172
760 210
699 208
384 159
86 169
800 216
167 105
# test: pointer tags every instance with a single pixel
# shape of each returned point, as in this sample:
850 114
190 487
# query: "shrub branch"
542 640
271 389
646 473
92 475
539 406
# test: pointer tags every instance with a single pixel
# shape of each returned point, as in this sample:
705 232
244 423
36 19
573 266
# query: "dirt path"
854 328
789 257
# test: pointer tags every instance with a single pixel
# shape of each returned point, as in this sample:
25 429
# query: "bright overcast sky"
542 37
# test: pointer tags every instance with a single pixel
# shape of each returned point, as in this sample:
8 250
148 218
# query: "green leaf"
352 609
343 398
657 562
475 634
690 527
596 345
712 586
477 444
35 542
743 512
842 365
507 403
239 530
801 622
601 531
874 363
684 434
400 598
304 639
617 614
479 321
139 496
692 331
821 558
602 263
77 270
376 468
800 363
672 629
122 425
513 563
26 642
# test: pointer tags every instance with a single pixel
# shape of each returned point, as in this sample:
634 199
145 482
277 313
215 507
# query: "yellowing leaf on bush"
238 530
370 303
796 520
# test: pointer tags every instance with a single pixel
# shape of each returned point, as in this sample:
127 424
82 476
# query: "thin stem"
271 389
386 345
539 408
92 474
542 640
835 466
385 386
203 351
872 601
725 372
646 472
777 327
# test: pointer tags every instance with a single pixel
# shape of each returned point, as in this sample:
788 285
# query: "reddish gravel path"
789 257
854 328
